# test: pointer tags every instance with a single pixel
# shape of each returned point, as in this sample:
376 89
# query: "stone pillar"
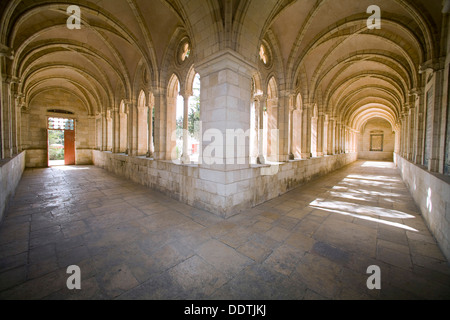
104 132
325 143
16 121
292 98
321 140
407 132
116 130
225 94
142 130
331 136
185 157
314 135
6 150
306 132
338 138
412 118
160 99
404 135
418 132
283 131
6 117
435 161
19 107
109 131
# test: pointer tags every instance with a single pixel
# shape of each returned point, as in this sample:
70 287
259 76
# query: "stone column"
104 132
16 121
6 150
292 98
320 135
185 157
141 130
412 118
109 128
283 137
306 132
116 130
435 163
6 117
314 135
404 135
325 135
418 132
338 137
225 94
160 128
331 136
19 107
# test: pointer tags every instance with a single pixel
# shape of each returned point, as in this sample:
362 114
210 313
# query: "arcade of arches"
305 87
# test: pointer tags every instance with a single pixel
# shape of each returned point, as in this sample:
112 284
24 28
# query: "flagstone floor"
130 242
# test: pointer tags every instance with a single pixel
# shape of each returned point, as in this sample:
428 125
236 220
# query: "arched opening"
271 122
297 127
194 127
142 123
175 115
151 126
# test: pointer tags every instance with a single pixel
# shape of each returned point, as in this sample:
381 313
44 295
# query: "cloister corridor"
130 242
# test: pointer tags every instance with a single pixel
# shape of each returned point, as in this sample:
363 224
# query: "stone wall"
224 193
431 194
376 126
11 171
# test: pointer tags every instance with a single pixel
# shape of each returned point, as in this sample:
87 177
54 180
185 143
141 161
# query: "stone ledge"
224 193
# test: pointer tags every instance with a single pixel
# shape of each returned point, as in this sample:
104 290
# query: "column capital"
7 52
226 59
432 65
260 97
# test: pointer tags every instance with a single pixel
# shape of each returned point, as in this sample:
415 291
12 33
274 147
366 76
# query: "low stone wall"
11 171
431 193
376 155
222 193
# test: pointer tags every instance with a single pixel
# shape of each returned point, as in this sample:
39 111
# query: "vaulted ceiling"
321 48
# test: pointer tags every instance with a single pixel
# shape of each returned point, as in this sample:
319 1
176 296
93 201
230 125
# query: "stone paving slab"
130 242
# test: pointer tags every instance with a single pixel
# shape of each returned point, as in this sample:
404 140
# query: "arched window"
271 121
194 121
175 108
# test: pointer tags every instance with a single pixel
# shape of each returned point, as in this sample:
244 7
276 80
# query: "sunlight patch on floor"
378 164
363 212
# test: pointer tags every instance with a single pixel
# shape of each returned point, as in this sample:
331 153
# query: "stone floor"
315 242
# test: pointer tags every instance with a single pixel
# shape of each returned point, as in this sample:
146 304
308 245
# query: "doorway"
61 141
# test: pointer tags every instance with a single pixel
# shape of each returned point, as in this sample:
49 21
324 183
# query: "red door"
69 147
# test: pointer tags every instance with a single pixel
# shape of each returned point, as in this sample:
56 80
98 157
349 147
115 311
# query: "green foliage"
56 144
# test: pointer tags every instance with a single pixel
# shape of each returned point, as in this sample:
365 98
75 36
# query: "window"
376 141
60 124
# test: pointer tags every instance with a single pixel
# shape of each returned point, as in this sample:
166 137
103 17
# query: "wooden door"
69 147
